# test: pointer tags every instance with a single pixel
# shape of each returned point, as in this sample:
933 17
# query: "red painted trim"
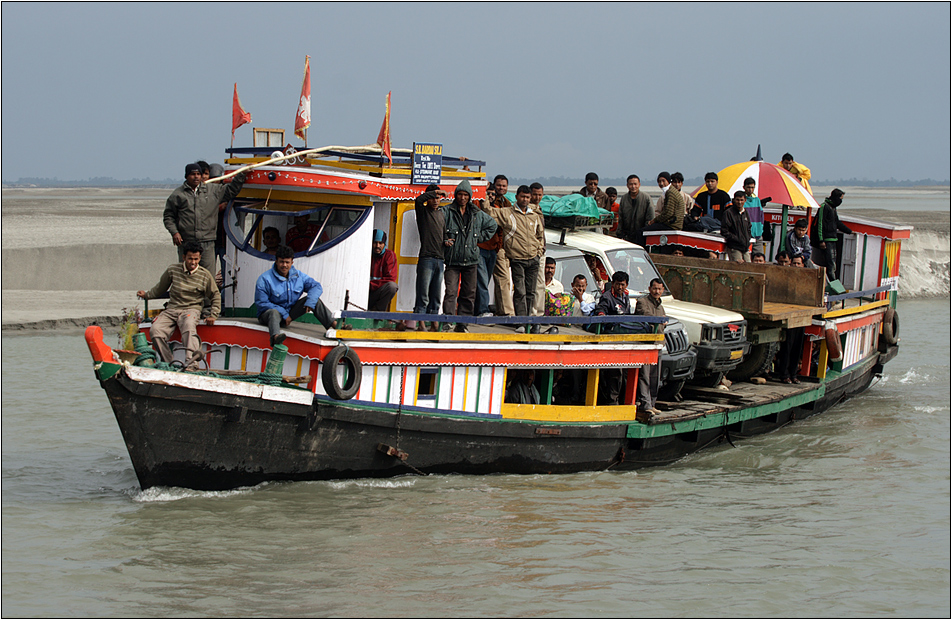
312 370
100 351
492 387
857 323
653 239
631 386
537 358
885 230
296 179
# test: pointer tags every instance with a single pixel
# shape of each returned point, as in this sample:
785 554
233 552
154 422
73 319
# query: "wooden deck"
699 402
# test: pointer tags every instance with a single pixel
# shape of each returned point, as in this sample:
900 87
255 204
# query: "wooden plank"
791 315
705 282
792 285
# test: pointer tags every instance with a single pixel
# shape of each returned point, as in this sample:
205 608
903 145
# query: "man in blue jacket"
278 295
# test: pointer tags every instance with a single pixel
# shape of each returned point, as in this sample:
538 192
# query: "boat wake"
912 377
401 483
172 494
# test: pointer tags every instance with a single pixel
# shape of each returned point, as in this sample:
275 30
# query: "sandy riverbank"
74 257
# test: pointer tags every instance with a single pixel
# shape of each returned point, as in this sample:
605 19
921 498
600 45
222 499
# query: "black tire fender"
336 387
891 326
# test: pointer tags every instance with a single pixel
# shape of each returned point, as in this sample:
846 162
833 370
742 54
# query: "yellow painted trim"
466 388
856 309
300 365
355 334
822 361
565 413
591 388
244 359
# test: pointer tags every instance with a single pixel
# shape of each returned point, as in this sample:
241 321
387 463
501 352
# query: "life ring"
833 347
891 326
337 387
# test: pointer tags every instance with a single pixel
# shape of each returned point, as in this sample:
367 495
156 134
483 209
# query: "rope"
346 149
149 358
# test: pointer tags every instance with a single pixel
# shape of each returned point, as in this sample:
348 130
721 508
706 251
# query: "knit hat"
464 186
192 168
379 236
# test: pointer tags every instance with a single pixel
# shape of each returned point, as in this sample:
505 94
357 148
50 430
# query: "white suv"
719 336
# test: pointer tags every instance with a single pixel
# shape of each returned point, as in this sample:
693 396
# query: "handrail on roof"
400 156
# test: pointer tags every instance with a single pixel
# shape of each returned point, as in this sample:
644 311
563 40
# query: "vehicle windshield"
567 268
640 269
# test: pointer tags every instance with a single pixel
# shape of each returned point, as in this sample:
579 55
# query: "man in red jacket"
383 274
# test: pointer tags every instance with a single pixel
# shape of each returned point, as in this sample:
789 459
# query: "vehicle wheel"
756 362
671 389
341 373
891 326
712 380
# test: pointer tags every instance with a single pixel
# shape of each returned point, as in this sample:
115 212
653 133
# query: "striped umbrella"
772 181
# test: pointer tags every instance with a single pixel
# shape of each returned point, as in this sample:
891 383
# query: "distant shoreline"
554 182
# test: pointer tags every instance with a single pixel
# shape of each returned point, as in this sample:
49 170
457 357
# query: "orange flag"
238 115
383 138
303 119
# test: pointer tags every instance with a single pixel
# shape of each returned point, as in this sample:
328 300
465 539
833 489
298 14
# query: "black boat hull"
180 436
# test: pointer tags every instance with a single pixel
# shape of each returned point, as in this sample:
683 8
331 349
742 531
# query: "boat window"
306 230
426 385
635 262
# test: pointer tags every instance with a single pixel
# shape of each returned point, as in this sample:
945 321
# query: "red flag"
303 119
238 115
383 139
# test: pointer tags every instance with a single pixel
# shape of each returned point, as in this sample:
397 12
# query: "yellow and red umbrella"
772 181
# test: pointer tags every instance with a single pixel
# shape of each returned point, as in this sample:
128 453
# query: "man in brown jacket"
523 232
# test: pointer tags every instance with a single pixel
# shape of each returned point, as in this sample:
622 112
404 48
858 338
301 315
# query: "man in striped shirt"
188 285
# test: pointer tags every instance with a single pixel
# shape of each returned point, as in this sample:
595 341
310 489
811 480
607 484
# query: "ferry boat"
363 400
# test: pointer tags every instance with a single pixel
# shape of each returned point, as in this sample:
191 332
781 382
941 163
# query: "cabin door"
406 245
848 263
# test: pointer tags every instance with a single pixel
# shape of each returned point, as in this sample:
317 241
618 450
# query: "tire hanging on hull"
341 387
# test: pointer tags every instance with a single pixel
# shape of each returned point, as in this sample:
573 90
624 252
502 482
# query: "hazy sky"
536 89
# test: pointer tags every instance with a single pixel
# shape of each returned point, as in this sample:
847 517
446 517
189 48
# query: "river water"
844 514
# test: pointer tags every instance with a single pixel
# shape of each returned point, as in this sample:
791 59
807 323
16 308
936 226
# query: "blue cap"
379 236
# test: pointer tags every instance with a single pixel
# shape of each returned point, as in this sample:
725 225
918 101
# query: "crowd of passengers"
466 246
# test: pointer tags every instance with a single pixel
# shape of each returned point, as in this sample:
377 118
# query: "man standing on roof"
591 189
191 212
801 172
536 193
493 260
466 226
824 235
283 294
383 274
524 242
189 285
735 228
754 207
636 211
430 220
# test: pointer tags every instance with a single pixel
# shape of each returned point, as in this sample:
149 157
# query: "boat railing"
402 157
648 321
869 294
